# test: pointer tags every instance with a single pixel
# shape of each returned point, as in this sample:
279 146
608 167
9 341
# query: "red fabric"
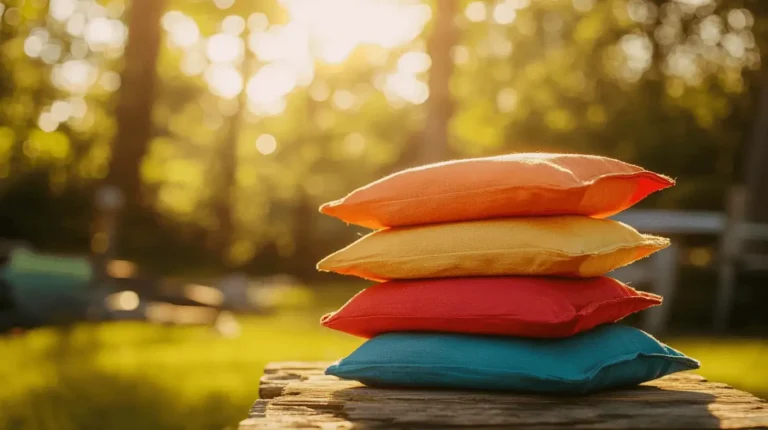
516 306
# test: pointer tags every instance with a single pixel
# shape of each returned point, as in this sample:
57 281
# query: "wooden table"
298 395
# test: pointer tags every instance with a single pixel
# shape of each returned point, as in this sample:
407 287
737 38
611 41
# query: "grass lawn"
740 362
138 376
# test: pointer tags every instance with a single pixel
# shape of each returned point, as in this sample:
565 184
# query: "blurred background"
162 161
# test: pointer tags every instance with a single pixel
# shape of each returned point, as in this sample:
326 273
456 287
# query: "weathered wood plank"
299 395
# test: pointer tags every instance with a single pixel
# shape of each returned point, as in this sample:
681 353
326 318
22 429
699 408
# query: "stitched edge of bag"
689 362
656 243
331 317
645 174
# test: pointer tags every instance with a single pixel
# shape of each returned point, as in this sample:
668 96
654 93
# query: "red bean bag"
543 307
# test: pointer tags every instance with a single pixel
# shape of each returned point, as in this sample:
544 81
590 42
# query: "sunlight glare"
271 108
638 10
224 48
123 301
328 30
233 25
414 63
47 122
75 76
101 33
337 27
711 30
50 53
739 19
33 45
204 294
274 107
476 11
61 110
266 144
286 43
61 10
406 87
93 9
224 4
520 4
734 45
638 50
182 29
504 13
272 82
76 24
257 22
224 80
681 62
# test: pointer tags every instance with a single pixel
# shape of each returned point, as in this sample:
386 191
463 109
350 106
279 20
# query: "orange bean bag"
529 184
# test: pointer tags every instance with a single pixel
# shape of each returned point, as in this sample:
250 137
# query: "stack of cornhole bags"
491 276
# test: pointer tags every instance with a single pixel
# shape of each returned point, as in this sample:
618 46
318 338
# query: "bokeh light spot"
476 11
506 100
504 13
344 99
224 48
223 4
110 81
233 25
414 62
47 122
257 22
224 80
266 144
583 5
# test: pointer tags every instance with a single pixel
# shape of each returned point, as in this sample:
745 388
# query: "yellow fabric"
575 246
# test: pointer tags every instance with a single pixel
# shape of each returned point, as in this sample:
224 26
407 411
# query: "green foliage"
664 84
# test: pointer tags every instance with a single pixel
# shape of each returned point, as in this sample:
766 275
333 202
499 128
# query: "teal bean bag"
609 356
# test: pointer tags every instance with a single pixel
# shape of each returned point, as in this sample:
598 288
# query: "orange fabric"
573 245
528 184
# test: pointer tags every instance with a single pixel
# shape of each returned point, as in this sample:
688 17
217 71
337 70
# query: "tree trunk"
134 110
434 146
225 197
756 161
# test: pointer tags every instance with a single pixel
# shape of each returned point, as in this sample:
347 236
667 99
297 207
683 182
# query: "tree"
434 145
134 109
756 161
225 197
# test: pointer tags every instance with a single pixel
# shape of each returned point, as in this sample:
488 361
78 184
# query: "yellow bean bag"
573 246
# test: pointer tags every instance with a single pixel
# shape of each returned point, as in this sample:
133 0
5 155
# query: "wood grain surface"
299 395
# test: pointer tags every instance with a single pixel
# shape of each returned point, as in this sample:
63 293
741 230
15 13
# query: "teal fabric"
43 285
609 356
